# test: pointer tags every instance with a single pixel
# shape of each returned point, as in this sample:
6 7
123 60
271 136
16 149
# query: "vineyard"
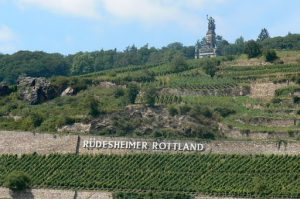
260 71
231 175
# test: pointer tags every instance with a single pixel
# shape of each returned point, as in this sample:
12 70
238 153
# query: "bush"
94 108
270 55
224 112
253 49
17 181
184 109
150 96
210 66
179 64
296 100
172 110
119 92
132 93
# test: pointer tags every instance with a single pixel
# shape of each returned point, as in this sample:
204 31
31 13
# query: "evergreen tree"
264 34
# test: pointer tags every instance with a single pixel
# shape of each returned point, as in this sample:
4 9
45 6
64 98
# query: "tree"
221 45
132 92
82 63
252 49
264 34
270 55
150 96
211 66
17 181
178 63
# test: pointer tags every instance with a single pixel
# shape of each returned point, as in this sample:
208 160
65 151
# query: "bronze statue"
211 23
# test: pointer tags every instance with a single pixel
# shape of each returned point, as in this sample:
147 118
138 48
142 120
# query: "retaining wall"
28 143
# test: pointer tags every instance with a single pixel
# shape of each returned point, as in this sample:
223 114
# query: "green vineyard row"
231 175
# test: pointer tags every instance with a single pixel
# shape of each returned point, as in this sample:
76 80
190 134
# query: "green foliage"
151 195
31 64
289 42
296 100
168 173
270 55
119 92
132 92
252 49
211 66
17 181
172 110
263 35
225 112
94 109
184 109
179 63
150 96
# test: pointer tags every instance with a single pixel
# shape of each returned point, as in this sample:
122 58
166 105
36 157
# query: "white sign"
142 145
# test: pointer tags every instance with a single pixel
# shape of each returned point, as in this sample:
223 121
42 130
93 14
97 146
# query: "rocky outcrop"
36 90
68 92
110 85
148 120
76 128
4 90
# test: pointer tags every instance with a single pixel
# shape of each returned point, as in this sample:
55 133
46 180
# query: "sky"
70 26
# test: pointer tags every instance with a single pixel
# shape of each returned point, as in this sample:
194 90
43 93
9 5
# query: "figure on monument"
209 47
211 23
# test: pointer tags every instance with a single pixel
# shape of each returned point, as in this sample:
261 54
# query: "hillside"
257 99
245 111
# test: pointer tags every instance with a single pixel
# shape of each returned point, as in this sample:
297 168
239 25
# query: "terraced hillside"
257 101
223 98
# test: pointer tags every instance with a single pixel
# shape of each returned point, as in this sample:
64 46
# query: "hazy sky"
68 26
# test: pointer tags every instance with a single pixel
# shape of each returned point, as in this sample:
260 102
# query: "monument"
207 48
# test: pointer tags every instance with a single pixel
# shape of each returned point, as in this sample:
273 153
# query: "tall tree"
252 49
264 34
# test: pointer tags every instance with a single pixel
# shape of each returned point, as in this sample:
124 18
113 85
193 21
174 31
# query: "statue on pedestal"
209 49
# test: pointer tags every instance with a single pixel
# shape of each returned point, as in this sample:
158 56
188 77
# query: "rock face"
36 90
146 120
68 92
4 90
110 85
77 127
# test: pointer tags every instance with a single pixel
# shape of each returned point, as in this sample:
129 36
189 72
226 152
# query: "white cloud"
148 12
81 8
7 39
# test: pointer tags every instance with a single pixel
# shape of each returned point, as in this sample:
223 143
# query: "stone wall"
230 91
27 143
51 194
266 89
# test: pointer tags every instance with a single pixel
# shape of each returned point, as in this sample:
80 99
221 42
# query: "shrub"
172 110
210 66
252 49
296 100
119 92
270 55
179 64
17 181
94 109
132 93
184 109
150 96
224 112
